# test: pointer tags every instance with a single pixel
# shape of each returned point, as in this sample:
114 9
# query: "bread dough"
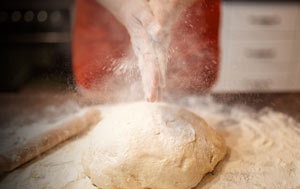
151 145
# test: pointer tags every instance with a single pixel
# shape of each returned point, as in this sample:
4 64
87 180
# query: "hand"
148 23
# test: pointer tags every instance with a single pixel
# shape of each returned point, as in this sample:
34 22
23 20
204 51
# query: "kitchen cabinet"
260 45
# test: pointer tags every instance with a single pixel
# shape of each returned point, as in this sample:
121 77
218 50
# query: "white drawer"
297 75
226 14
266 82
255 82
259 16
261 35
297 50
261 56
260 67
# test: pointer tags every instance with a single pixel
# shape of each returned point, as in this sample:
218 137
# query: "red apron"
99 40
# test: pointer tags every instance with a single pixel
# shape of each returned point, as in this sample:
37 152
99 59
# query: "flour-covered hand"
148 23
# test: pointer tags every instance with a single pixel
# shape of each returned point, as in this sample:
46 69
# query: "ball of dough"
151 145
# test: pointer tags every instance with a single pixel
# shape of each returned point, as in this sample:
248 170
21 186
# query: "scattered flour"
263 152
19 131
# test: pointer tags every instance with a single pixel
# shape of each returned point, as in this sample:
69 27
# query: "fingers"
147 44
158 39
158 43
150 77
150 83
154 74
149 71
142 44
161 51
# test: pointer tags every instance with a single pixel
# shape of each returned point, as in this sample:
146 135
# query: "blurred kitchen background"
260 45
35 46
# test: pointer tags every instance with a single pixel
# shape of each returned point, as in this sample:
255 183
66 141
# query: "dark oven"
35 40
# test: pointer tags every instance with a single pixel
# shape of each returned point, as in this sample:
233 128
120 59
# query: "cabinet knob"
265 20
260 53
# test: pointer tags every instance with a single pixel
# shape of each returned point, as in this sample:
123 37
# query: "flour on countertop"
263 152
28 125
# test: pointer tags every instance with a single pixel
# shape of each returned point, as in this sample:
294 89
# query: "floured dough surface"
152 145
262 152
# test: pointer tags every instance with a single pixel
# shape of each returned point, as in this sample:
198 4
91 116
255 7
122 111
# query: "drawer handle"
260 53
265 20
